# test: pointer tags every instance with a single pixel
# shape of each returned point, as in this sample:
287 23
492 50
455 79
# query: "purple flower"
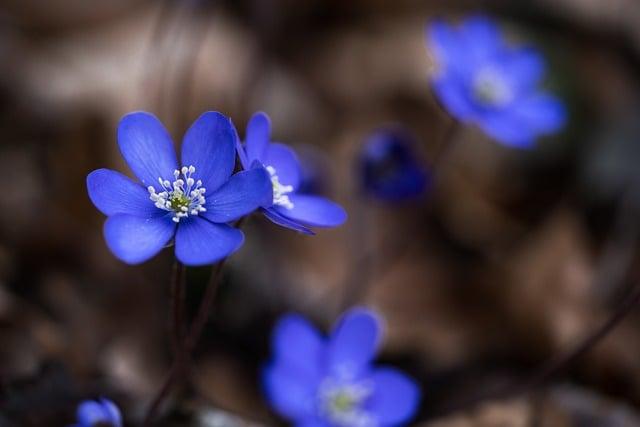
192 203
480 78
321 382
94 413
389 166
287 207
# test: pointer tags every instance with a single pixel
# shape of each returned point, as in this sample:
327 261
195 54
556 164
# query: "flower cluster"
480 78
193 204
323 382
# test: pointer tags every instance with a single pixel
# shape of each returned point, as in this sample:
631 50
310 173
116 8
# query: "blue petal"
242 194
135 239
258 135
273 216
507 129
298 344
455 98
448 49
112 411
112 193
312 422
285 162
542 112
482 38
90 413
354 341
209 146
313 211
242 154
200 242
146 146
525 67
291 395
395 398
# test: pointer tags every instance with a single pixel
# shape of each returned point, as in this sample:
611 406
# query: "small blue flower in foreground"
194 202
94 413
480 78
389 166
325 382
287 208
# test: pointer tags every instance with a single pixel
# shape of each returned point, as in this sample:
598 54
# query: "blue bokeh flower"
389 167
287 207
94 413
192 203
323 382
480 78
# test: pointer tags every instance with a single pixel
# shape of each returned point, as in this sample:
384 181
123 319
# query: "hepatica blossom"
98 413
191 203
481 78
322 382
287 207
389 166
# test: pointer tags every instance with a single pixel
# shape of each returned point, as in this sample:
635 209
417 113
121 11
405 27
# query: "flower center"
182 197
342 403
280 191
490 88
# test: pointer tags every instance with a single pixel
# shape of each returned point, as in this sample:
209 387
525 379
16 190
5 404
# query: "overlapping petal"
279 219
395 398
354 341
258 136
147 147
200 242
291 394
284 160
242 194
135 239
209 146
298 344
313 211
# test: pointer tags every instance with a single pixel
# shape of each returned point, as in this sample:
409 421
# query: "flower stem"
177 303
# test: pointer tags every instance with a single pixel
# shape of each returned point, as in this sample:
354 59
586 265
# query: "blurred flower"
287 208
482 79
389 166
192 203
94 413
314 381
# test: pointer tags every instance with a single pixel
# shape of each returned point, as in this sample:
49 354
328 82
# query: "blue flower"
480 78
389 166
194 202
287 207
321 382
94 413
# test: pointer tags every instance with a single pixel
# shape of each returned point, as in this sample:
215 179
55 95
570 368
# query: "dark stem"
177 304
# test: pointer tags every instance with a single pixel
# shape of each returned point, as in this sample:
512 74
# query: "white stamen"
280 191
342 402
177 198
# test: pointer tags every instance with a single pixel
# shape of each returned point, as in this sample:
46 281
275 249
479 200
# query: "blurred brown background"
513 257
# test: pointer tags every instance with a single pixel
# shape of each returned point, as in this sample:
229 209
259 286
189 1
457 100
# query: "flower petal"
112 193
135 239
297 343
542 112
209 146
395 398
273 216
525 66
258 135
507 129
354 341
291 395
146 146
112 410
455 98
313 211
482 37
90 413
200 242
285 162
448 49
242 194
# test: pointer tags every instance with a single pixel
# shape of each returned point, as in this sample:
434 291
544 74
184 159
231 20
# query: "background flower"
389 167
481 78
317 381
287 208
192 203
98 413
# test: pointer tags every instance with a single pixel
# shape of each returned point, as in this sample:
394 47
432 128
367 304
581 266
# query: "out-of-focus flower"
317 381
389 166
194 202
98 413
287 207
480 78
